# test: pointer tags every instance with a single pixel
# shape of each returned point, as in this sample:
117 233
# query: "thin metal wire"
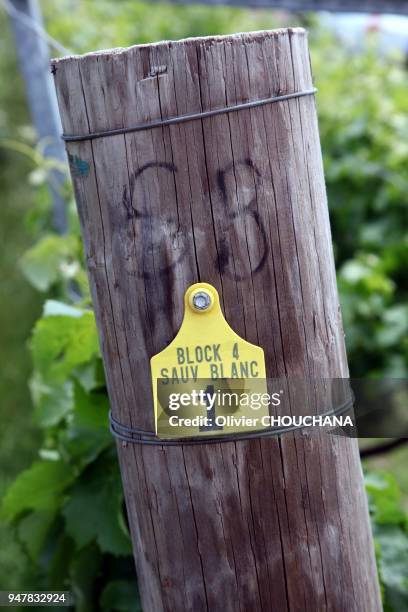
149 437
184 118
35 27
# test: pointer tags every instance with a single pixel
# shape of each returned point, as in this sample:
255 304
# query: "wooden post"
237 200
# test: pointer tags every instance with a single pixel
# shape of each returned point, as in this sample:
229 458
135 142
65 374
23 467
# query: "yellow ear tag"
206 379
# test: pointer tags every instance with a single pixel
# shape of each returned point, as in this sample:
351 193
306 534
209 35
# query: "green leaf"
60 556
43 263
384 498
33 530
52 402
84 571
395 325
38 488
393 564
61 343
121 596
91 376
91 410
93 514
88 432
83 446
94 510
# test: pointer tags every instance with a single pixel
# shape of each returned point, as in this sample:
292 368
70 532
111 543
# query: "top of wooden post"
135 80
207 40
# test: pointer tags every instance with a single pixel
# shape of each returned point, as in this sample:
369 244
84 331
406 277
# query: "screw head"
201 300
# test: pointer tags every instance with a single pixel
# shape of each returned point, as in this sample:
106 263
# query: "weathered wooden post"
236 199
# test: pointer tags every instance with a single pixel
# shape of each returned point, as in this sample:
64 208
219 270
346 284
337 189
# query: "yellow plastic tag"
204 379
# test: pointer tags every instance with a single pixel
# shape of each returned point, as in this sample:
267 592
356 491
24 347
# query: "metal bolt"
201 300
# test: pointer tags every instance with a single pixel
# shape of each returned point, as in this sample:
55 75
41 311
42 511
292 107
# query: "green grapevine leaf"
52 402
46 260
84 570
60 343
38 488
384 498
393 564
94 510
33 530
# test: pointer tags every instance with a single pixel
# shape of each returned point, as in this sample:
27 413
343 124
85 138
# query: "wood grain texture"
238 201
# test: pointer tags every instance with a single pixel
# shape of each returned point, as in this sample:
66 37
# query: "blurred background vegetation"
62 520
